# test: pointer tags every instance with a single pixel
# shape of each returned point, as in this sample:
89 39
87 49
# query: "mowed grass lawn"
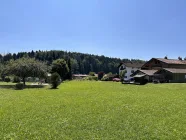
94 110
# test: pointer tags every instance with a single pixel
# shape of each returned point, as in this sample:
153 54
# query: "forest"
80 63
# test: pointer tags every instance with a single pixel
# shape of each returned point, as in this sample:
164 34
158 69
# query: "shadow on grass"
35 86
26 87
53 88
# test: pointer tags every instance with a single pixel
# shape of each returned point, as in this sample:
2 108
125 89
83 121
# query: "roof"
134 65
172 61
183 71
139 76
148 72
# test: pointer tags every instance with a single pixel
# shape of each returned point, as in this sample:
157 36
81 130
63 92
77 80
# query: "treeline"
80 63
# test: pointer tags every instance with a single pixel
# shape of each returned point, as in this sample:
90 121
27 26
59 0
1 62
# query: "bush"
100 75
105 78
91 78
16 79
109 77
7 79
19 86
55 80
92 73
110 73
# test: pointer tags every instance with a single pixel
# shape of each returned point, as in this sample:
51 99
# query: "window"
122 68
156 62
185 76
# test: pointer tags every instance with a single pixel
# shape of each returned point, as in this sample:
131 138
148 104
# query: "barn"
172 75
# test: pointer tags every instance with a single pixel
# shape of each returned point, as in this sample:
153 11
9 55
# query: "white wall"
129 71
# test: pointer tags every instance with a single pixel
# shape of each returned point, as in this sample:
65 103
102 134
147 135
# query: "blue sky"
116 28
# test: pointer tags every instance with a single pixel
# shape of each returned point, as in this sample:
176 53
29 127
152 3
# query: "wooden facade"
148 74
173 77
157 64
168 70
153 64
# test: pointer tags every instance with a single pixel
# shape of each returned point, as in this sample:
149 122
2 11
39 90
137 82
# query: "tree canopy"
60 66
26 67
80 63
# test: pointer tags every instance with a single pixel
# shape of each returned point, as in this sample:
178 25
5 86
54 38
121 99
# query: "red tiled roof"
172 61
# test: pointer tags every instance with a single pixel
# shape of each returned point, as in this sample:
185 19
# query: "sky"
139 29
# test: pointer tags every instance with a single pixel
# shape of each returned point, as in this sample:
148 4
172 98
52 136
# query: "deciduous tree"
122 74
26 67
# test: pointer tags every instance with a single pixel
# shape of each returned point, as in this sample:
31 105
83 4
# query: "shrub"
122 75
105 78
91 78
110 73
92 73
109 77
7 79
94 78
100 75
19 86
16 79
55 80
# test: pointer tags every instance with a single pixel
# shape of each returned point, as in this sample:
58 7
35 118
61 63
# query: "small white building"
79 76
130 69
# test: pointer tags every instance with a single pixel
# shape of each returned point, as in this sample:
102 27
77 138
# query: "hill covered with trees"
79 62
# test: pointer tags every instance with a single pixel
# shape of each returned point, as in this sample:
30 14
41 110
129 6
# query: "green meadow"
93 110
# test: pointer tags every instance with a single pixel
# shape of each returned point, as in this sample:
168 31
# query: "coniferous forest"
80 63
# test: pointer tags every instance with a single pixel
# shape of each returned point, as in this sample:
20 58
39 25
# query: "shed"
141 79
173 75
148 74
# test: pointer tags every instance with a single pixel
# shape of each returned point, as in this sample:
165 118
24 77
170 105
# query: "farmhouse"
170 70
130 69
159 63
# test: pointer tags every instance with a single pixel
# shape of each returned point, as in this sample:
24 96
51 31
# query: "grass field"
94 110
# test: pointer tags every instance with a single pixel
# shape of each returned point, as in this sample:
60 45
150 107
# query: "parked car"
116 79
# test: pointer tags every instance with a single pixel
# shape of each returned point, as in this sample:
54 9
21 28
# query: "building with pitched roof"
172 75
147 74
172 70
130 68
159 63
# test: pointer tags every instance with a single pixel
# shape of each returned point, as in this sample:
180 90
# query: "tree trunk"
24 81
